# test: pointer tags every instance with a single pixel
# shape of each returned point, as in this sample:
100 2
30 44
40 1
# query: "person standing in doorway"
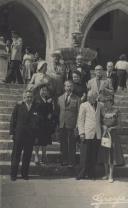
27 65
14 73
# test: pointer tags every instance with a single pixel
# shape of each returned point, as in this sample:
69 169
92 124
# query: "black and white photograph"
63 103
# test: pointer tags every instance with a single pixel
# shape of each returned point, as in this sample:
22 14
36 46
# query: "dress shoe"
70 166
25 177
79 178
13 178
64 164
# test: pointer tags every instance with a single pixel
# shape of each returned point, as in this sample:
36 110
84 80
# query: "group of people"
80 108
20 66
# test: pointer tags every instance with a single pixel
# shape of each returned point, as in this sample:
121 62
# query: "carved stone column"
3 60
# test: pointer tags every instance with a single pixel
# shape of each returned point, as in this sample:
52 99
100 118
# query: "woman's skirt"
113 154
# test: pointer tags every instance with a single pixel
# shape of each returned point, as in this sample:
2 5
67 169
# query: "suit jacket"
85 73
89 120
68 114
24 123
104 84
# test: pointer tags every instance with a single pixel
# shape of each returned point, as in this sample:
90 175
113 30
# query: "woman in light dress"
27 65
39 78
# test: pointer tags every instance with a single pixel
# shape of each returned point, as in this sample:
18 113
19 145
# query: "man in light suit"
100 85
89 126
68 105
14 73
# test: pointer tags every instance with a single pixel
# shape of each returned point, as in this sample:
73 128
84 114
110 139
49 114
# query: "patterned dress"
113 154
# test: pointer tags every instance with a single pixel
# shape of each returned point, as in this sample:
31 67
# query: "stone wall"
64 15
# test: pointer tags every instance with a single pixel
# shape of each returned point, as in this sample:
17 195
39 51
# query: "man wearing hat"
14 73
99 84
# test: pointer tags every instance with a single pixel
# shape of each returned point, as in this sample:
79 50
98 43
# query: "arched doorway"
31 21
105 30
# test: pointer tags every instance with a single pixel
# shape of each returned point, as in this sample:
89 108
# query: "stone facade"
59 18
64 16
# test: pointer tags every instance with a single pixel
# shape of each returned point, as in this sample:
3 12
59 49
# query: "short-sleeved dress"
114 154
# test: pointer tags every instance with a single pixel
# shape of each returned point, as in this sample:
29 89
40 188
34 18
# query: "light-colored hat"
40 65
92 94
56 53
98 68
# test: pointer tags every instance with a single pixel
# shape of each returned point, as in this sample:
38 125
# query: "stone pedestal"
3 60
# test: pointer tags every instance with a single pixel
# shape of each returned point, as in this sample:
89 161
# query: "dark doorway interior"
15 16
109 36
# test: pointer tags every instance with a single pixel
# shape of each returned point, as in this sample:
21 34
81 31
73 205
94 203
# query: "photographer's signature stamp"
101 200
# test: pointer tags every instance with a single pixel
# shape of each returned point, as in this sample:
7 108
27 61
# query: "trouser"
88 157
68 146
14 73
18 147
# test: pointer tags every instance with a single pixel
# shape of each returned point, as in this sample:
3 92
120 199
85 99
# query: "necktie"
98 83
66 100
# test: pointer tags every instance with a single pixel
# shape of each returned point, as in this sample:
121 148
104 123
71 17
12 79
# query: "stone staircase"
10 94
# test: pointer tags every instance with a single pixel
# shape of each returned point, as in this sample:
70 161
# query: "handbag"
106 140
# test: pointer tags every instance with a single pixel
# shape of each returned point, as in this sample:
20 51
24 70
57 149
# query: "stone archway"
41 15
99 11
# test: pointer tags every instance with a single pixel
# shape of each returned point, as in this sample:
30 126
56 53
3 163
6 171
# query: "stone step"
4 134
10 97
8 144
118 97
55 170
122 109
6 110
121 102
53 156
12 86
4 125
5 117
11 91
7 103
122 132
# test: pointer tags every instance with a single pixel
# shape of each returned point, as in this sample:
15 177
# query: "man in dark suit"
68 105
83 68
23 127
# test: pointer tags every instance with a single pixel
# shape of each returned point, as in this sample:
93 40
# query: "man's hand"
12 137
49 116
82 137
76 133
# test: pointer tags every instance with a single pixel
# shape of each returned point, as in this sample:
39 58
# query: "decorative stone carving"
77 36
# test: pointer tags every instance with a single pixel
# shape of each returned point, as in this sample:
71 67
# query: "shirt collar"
28 106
